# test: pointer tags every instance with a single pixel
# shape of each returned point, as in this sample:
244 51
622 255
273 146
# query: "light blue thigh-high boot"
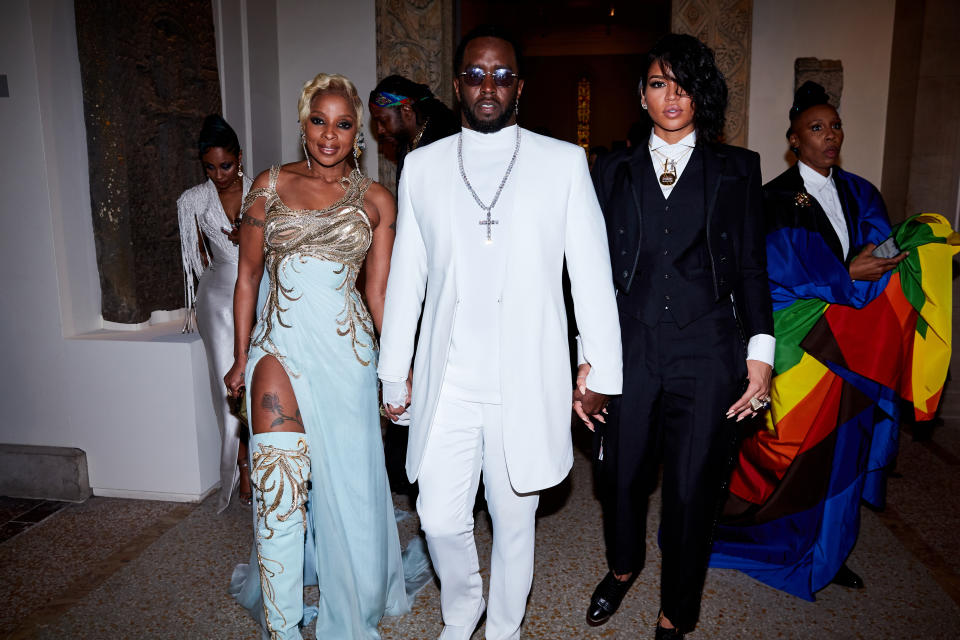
281 469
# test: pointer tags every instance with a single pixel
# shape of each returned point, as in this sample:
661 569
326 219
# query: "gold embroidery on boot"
291 469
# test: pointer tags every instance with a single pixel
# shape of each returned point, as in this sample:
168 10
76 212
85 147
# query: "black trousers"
678 384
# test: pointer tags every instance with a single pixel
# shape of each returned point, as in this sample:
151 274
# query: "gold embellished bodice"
340 233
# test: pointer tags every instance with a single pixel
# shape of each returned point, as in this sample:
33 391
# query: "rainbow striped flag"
840 375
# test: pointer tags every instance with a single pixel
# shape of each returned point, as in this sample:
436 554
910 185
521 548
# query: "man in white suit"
486 218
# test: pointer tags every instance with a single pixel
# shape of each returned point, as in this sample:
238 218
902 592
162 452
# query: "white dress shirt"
824 189
676 154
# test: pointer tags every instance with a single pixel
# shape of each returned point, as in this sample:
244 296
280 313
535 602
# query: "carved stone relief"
726 27
149 73
415 40
826 73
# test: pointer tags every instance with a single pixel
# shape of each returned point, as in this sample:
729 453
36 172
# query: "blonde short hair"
329 83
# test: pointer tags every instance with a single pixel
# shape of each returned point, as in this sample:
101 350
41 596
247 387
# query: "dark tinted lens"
474 77
503 77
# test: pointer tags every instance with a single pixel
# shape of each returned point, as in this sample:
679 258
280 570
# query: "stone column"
415 40
149 73
725 26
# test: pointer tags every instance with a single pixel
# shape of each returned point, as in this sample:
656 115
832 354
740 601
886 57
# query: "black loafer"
667 634
847 578
606 598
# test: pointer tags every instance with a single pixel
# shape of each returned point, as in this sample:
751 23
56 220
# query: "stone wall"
149 74
415 40
725 26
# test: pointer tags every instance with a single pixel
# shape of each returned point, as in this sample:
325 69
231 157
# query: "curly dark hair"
693 65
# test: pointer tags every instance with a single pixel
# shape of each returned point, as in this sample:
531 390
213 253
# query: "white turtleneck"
473 366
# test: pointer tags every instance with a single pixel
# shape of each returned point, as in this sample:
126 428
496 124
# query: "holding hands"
396 400
588 404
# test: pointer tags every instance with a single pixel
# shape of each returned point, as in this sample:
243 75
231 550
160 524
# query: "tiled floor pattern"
111 568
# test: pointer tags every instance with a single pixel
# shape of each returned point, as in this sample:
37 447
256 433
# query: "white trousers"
467 437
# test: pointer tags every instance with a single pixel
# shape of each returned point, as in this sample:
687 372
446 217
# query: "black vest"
673 280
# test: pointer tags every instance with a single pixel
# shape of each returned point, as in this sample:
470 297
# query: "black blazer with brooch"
734 233
863 210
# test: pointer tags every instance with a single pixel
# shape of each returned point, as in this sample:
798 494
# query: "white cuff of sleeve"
762 347
394 393
580 359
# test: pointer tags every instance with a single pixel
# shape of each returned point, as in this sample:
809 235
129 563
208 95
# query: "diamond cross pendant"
489 222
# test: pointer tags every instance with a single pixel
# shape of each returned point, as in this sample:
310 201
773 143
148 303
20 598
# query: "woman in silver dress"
208 214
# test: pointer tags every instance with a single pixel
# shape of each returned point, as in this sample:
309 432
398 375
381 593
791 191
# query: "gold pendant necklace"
669 175
416 138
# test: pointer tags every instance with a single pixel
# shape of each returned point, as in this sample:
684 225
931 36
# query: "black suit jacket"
735 229
779 197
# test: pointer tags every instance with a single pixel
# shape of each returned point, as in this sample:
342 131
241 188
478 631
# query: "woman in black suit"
687 245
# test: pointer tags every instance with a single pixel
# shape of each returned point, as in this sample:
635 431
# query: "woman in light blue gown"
323 513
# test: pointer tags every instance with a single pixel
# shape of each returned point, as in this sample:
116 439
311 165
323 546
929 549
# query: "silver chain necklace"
489 222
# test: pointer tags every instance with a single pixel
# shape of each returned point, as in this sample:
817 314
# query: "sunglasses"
475 76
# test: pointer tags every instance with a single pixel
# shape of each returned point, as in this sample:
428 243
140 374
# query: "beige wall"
857 32
330 37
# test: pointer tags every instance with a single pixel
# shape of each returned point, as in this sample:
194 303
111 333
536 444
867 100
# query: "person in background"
406 115
853 332
595 152
208 214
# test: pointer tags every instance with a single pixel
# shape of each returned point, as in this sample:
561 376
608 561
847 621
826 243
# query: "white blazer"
553 214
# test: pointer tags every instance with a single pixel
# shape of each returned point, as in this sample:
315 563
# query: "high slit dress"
314 322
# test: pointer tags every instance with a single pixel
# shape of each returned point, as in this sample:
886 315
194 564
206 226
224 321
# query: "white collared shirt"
824 189
679 154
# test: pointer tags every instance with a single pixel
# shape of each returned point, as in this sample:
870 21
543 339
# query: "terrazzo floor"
112 568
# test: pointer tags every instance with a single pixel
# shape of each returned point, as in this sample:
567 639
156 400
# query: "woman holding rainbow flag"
862 320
